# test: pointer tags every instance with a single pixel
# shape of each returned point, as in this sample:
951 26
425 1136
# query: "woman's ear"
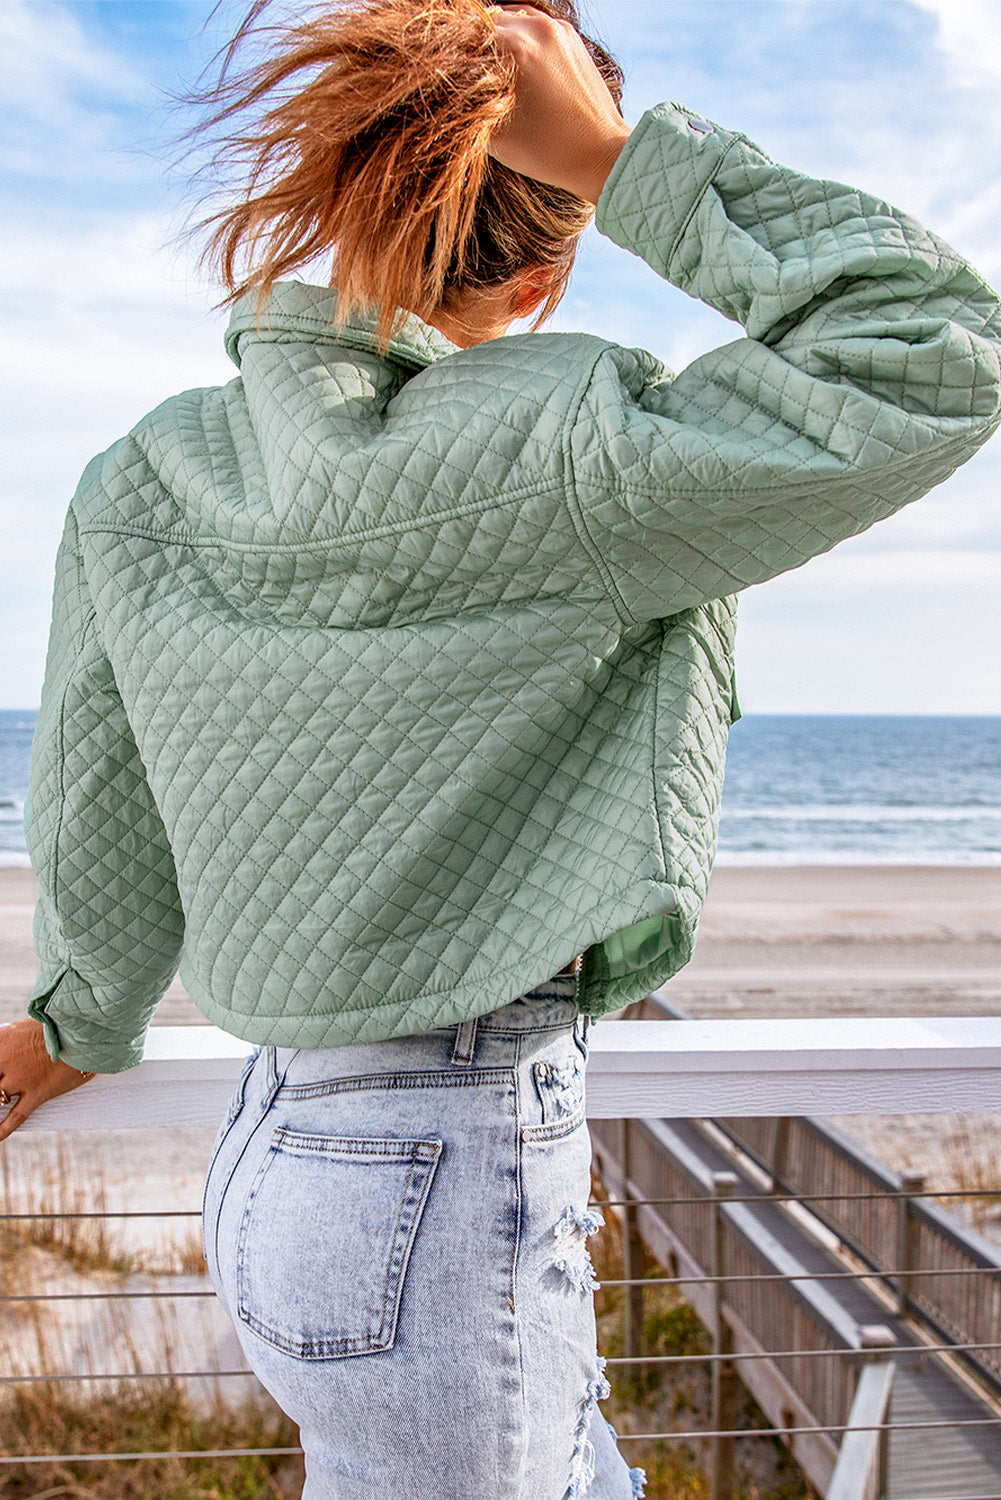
531 290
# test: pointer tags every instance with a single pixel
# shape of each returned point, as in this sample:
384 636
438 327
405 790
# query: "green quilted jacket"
381 686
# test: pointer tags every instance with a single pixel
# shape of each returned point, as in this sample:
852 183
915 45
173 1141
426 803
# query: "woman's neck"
476 317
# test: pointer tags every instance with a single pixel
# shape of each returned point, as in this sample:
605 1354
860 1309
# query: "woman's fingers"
28 1075
565 129
15 1116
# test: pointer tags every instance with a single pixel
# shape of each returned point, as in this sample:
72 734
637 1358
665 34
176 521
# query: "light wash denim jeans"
397 1230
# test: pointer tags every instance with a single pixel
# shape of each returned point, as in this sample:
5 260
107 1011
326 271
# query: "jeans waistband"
550 1005
549 1008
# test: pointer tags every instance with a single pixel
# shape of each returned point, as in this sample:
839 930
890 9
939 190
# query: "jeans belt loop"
465 1043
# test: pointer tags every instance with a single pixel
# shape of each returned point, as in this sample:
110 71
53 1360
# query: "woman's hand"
28 1074
566 129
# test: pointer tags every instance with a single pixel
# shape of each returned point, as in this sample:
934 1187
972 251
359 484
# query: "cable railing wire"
737 1357
912 1274
691 1436
105 1213
852 1352
829 1429
161 1453
126 1296
879 1196
123 1375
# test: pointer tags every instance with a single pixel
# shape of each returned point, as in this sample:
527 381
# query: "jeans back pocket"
326 1237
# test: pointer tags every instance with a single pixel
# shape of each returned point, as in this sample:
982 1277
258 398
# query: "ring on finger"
4 1098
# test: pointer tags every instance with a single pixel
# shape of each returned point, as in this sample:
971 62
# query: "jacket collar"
308 314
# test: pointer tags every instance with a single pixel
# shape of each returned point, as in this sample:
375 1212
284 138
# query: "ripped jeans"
397 1230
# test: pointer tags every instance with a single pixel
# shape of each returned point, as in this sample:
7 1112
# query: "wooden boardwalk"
929 1464
938 1462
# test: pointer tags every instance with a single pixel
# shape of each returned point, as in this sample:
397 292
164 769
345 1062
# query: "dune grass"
41 1419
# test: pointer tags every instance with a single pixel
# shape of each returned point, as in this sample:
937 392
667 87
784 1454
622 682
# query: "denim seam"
233 1113
270 1095
354 1145
397 1257
521 1030
556 1130
269 1099
391 1081
516 1255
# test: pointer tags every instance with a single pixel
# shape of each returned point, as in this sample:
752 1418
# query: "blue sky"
104 314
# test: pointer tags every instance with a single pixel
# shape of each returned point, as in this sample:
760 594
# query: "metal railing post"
633 1256
912 1184
725 1385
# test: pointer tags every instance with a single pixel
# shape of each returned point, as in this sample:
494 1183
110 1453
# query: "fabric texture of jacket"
379 686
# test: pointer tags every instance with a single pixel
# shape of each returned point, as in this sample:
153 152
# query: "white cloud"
970 35
98 331
63 94
909 633
46 54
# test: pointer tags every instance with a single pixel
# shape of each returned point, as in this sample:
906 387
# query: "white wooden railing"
643 1069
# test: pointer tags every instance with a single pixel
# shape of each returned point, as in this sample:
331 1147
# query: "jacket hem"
426 1010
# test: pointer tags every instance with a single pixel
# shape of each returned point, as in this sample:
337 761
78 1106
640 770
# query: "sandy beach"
847 940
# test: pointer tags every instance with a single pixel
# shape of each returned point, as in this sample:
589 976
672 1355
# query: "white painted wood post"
862 1468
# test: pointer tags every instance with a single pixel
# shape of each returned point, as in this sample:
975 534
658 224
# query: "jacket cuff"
656 185
70 1036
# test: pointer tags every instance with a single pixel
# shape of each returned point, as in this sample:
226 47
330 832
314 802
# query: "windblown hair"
362 133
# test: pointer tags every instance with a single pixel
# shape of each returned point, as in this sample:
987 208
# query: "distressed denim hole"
582 1457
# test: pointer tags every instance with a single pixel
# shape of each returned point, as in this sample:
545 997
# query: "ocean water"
862 790
799 790
16 729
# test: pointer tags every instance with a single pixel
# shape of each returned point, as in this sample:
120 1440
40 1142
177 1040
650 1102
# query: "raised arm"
870 371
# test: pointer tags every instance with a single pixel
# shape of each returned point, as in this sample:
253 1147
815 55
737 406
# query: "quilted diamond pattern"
379 687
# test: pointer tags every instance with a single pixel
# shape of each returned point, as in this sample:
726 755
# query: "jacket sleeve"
108 924
870 371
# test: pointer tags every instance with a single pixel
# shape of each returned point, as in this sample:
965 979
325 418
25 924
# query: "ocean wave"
765 858
848 812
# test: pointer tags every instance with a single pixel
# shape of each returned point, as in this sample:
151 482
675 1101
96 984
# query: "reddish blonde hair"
362 132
